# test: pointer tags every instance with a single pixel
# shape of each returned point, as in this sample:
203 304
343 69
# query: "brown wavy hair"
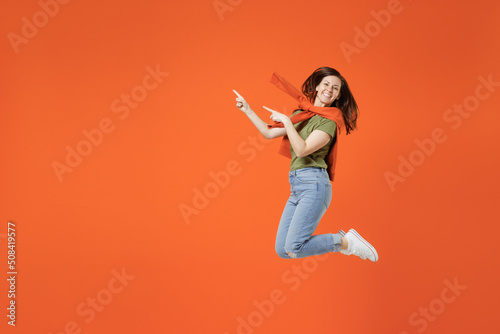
346 102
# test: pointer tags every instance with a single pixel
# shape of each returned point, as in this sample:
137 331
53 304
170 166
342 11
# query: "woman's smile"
327 91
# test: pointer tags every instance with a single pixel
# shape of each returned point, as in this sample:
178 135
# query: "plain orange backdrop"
120 207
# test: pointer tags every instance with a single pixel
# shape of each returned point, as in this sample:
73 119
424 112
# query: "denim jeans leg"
312 190
286 218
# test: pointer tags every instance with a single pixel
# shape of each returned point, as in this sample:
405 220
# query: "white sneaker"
358 246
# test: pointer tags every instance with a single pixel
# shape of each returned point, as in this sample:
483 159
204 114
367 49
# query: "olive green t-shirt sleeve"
317 158
326 125
320 123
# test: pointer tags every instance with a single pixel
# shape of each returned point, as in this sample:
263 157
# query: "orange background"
120 207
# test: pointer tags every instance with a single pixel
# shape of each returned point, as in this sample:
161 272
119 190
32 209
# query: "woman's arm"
316 140
256 120
262 126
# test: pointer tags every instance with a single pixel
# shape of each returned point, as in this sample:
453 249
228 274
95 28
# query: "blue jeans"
311 194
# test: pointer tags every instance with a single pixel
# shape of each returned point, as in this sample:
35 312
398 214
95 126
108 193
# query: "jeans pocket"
307 178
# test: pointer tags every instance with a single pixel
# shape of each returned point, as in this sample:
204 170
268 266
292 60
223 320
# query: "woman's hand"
257 121
277 116
241 103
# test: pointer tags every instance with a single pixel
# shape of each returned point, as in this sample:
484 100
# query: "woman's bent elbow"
300 154
269 135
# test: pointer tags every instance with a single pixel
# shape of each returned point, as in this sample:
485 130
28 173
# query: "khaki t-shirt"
305 128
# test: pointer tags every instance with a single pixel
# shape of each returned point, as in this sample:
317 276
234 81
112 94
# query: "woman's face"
328 91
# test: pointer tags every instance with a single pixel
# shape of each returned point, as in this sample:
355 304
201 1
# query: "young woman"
326 106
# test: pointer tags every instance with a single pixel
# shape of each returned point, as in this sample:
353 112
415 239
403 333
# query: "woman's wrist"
249 112
288 123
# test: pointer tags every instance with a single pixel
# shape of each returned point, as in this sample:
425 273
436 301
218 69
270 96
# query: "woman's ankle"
343 243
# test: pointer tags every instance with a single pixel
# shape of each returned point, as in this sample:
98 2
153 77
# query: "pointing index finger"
238 94
268 109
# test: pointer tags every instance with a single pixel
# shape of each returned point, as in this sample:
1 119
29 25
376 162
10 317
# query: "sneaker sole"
365 242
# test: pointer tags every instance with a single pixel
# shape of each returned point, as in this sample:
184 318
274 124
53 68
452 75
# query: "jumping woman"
310 138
